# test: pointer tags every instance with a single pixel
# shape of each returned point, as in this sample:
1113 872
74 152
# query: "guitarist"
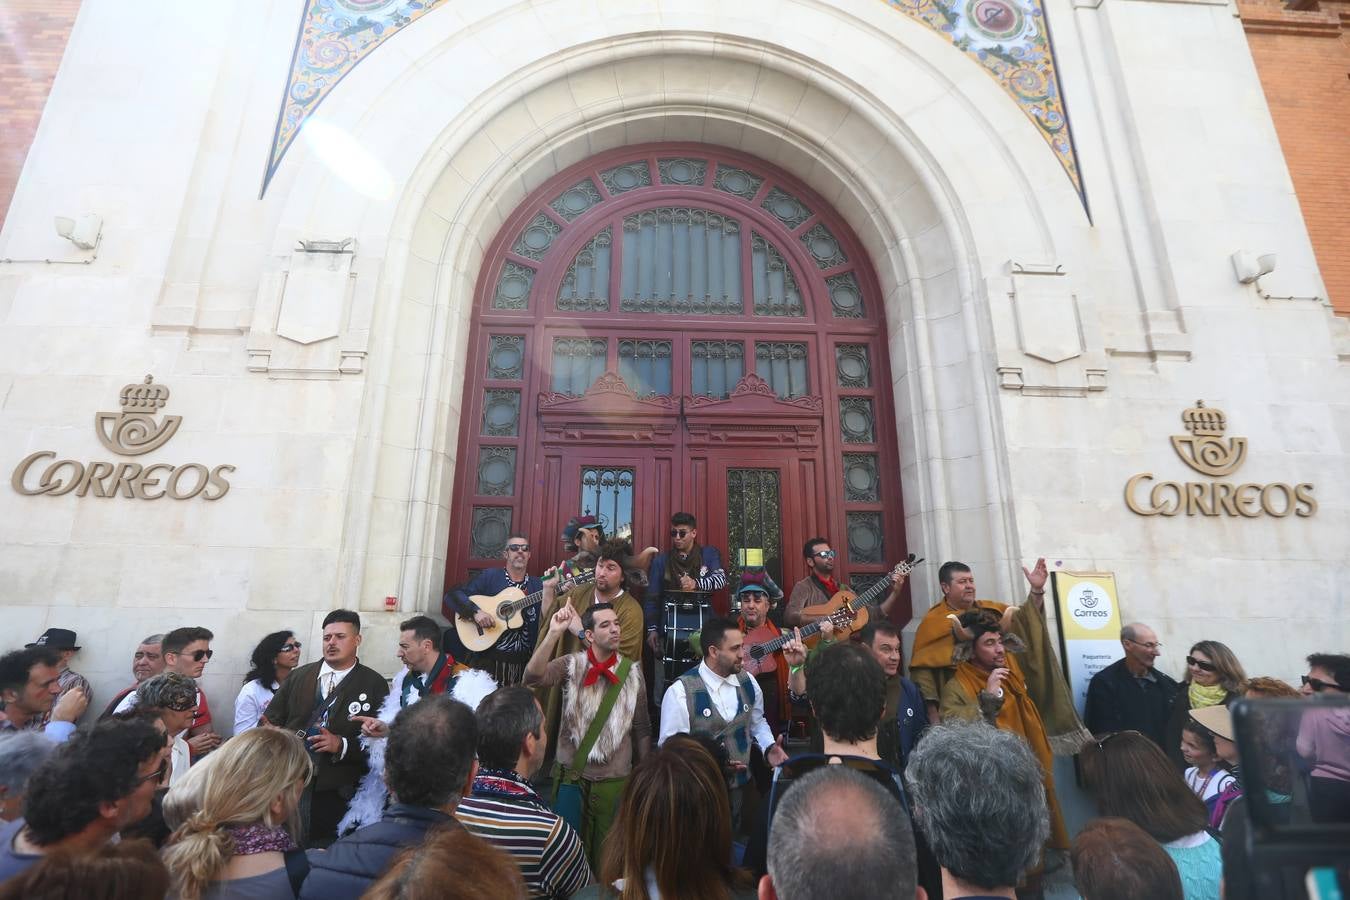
772 670
505 662
820 585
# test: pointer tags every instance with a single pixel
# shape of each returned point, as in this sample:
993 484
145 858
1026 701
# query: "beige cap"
1217 719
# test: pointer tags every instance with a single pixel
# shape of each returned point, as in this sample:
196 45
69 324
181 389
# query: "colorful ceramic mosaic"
334 36
1011 40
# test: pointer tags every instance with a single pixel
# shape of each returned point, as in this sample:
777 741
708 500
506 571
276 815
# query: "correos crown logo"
1090 606
134 430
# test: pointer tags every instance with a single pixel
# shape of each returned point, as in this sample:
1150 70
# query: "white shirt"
330 678
675 708
251 703
180 758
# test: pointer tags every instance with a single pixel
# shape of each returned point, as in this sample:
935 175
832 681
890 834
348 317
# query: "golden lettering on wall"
131 432
1207 451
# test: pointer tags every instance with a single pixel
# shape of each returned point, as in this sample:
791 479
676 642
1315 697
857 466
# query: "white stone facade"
1040 357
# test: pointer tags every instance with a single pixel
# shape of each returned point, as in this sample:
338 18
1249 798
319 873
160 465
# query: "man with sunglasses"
187 651
505 662
820 585
687 566
146 662
1131 694
1324 738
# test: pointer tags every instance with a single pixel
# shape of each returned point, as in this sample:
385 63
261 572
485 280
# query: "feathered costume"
468 686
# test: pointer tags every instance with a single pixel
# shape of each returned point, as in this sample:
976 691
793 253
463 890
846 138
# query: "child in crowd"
1208 775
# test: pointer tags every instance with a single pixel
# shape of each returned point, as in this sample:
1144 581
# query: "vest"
706 719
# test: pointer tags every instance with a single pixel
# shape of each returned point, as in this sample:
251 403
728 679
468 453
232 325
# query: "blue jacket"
491 582
715 580
911 716
348 868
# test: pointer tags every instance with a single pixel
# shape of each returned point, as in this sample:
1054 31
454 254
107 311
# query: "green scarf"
1206 695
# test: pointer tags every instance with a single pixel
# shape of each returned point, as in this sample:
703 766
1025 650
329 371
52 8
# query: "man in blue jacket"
506 660
429 764
905 718
687 566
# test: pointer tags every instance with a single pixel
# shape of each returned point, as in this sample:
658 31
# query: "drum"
684 619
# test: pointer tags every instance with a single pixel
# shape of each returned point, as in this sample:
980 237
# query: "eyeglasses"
680 532
199 655
518 548
1201 664
157 775
1318 685
293 645
1151 645
825 554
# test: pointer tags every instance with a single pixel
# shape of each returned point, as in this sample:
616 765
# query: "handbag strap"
601 716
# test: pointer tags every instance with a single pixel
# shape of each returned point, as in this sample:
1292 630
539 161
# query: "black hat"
56 639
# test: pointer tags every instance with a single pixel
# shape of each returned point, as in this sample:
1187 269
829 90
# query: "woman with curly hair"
1213 676
236 843
273 659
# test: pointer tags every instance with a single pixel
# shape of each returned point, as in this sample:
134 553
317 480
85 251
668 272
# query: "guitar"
847 611
505 608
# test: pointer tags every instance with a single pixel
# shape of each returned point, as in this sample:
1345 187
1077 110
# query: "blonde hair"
1226 665
185 797
246 774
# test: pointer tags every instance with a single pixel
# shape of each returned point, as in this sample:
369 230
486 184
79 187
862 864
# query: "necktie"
328 684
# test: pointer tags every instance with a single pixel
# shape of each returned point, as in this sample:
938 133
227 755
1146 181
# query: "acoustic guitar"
505 608
847 611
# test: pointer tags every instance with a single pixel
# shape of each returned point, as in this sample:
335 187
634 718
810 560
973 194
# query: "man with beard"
505 660
771 670
687 566
820 585
146 662
718 700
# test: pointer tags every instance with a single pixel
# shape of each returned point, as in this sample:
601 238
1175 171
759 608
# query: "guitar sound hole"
504 611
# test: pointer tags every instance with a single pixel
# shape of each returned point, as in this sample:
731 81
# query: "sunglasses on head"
680 532
287 648
1318 685
1201 664
824 554
518 548
191 704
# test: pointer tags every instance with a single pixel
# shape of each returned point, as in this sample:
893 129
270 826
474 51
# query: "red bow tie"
599 668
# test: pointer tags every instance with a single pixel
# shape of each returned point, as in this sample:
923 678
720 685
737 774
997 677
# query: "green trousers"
599 807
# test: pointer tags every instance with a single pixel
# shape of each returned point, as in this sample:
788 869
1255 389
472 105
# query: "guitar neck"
537 597
778 643
870 596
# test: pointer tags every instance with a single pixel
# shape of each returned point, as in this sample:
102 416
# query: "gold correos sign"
132 432
1208 452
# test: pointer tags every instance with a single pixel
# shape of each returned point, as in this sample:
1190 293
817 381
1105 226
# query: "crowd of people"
556 764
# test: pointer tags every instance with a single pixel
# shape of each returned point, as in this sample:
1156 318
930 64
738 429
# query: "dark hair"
588 615
15 666
1131 777
615 550
346 616
450 856
504 718
430 751
949 569
875 627
980 621
1337 664
838 833
424 628
178 639
684 518
127 870
807 552
264 659
714 630
1205 737
94 767
847 689
1115 859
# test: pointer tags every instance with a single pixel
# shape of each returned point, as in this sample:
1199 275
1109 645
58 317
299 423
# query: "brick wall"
1302 52
33 35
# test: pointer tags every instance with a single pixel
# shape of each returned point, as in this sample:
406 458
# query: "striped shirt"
506 812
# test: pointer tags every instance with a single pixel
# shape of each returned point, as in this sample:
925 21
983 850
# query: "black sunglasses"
1318 685
293 645
680 532
824 554
518 548
1201 664
199 655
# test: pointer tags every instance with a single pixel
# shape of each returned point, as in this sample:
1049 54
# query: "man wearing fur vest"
586 677
427 671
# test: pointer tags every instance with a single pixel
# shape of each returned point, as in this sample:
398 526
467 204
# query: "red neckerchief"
831 586
598 668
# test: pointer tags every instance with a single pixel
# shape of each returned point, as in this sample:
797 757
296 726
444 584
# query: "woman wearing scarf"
1213 676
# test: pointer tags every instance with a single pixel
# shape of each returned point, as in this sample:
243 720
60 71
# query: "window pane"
737 181
681 260
853 366
783 366
845 296
577 364
536 237
754 520
861 479
491 528
864 537
585 287
856 420
626 177
501 413
513 287
506 357
775 287
787 208
607 493
497 471
715 367
680 170
645 366
823 246
576 200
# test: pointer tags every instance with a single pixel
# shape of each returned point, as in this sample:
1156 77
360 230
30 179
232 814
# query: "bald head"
1141 646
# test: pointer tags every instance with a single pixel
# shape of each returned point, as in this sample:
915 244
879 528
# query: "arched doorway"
672 327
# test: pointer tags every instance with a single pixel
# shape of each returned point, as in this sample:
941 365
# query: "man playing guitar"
506 660
820 585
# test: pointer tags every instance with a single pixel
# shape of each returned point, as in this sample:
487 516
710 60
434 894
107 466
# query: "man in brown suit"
319 702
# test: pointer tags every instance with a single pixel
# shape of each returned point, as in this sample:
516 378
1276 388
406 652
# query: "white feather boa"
367 806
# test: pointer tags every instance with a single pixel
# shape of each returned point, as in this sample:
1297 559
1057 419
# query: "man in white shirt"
718 700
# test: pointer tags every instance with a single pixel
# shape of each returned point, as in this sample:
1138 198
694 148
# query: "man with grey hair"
978 795
146 662
173 698
21 752
839 834
1131 694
